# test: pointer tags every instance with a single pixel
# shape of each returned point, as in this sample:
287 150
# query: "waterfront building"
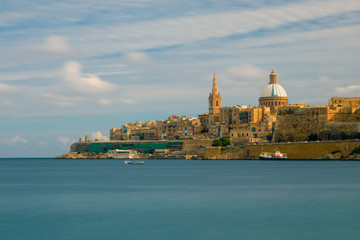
174 127
273 95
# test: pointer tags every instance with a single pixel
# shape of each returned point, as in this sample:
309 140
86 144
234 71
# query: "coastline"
332 150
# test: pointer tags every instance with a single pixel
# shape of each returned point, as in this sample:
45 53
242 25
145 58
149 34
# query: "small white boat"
122 154
276 155
134 162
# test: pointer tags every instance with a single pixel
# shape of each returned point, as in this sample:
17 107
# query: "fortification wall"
79 147
192 146
346 127
311 150
344 114
295 124
212 152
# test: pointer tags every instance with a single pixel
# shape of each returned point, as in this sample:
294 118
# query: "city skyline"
74 68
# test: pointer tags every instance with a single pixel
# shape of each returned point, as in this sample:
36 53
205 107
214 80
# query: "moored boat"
122 154
134 162
276 155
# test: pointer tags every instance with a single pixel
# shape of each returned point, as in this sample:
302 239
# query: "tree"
269 137
223 141
313 137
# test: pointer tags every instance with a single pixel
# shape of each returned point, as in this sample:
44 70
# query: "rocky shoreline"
85 155
226 156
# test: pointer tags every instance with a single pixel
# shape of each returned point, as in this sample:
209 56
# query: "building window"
217 103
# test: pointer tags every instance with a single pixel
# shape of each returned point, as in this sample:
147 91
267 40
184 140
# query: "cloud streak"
181 30
14 140
63 140
90 83
58 45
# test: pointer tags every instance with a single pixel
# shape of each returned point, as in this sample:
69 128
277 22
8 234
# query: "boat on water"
123 154
275 155
134 162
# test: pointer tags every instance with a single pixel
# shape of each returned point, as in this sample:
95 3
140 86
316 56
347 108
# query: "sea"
179 199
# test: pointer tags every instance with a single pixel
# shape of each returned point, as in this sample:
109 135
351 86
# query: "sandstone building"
214 110
174 127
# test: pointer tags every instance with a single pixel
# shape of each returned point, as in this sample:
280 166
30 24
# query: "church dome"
273 90
273 95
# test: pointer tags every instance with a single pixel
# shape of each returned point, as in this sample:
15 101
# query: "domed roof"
273 90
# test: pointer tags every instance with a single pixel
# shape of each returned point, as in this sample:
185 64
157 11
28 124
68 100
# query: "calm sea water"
179 199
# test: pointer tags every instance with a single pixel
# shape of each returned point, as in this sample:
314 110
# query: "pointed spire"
273 69
214 88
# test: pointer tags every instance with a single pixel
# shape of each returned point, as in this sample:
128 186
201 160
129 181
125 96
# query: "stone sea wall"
312 150
192 146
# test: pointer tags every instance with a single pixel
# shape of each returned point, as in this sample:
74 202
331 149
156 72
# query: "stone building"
251 124
176 127
204 121
136 131
273 95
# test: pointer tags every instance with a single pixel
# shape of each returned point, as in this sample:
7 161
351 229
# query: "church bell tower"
214 104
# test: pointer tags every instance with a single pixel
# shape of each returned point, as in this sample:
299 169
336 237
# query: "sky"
75 67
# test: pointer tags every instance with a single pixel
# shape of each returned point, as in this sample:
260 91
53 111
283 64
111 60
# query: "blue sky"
70 68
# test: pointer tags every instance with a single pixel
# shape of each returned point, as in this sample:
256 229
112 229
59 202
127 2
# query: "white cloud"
4 88
62 101
75 79
180 30
324 79
128 101
137 58
27 75
15 140
55 45
352 89
63 140
105 102
98 135
246 72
